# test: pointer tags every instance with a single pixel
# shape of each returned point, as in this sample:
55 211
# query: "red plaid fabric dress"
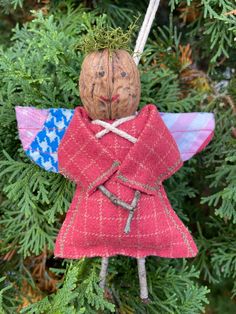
94 226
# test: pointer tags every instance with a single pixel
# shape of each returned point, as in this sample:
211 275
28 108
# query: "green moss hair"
103 36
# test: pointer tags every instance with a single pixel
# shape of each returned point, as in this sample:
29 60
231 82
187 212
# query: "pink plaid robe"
93 225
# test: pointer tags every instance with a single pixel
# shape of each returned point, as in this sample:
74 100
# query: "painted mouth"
112 99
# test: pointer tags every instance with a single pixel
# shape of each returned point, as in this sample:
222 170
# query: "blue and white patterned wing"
44 148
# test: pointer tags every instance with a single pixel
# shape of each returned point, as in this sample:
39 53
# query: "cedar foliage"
187 66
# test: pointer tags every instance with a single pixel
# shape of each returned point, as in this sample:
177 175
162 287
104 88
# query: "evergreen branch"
73 296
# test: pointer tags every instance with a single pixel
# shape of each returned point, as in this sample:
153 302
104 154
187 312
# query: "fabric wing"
41 131
191 131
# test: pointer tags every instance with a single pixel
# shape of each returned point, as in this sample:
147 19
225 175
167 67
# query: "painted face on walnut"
109 84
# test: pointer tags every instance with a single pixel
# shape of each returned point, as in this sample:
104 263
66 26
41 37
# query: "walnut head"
109 84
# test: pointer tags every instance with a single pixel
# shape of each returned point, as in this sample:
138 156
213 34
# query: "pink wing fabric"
191 131
30 121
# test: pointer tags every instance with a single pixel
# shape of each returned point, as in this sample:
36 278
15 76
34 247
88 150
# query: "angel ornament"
118 158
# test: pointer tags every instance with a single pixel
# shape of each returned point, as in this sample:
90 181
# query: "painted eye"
101 73
123 74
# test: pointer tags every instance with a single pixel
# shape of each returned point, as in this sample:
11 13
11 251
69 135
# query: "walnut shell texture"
109 84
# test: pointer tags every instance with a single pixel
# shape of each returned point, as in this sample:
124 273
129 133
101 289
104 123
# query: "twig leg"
103 272
142 280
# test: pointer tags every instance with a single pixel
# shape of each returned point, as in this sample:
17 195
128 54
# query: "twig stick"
128 222
103 272
118 202
115 200
131 212
142 279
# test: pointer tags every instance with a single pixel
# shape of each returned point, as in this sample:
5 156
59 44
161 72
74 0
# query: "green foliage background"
40 64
